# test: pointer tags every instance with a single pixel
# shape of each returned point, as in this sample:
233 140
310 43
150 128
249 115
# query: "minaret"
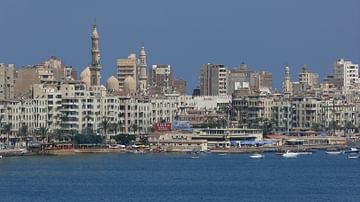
287 84
95 58
142 76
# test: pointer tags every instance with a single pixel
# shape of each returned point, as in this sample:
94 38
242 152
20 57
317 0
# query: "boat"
352 150
305 153
334 152
257 156
195 157
222 154
353 156
290 154
0 157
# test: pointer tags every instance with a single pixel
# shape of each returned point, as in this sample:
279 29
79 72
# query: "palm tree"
134 127
105 124
43 131
23 132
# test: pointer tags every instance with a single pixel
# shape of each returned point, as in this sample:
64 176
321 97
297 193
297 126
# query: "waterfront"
178 177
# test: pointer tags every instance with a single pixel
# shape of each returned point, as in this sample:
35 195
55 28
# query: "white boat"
195 157
290 154
222 154
257 156
353 156
0 157
334 152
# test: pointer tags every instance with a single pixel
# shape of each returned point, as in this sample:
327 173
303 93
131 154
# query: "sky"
265 34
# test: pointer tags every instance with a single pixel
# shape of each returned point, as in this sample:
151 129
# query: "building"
346 74
161 79
179 86
7 81
126 68
48 73
213 79
307 80
241 79
238 78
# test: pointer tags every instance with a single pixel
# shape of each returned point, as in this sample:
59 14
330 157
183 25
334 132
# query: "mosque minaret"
95 58
143 75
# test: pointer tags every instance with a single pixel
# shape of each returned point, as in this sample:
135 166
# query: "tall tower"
142 76
95 58
287 84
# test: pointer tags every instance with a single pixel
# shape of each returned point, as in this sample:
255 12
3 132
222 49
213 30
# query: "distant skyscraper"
143 75
7 84
95 59
161 79
307 79
346 74
179 86
213 79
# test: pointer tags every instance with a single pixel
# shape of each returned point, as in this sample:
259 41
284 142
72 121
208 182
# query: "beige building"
213 79
308 80
7 73
161 79
47 73
126 68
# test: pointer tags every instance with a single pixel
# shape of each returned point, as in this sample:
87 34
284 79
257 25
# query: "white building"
346 74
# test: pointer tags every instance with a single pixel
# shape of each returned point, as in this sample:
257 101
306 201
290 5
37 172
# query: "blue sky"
264 34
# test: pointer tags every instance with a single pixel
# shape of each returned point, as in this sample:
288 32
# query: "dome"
112 83
130 84
85 76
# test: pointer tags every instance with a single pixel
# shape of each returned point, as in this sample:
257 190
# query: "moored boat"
334 152
305 153
257 156
290 154
353 156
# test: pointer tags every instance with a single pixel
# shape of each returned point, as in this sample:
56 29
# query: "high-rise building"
95 59
161 79
238 78
179 86
126 68
260 80
307 79
142 75
47 73
346 74
7 84
213 79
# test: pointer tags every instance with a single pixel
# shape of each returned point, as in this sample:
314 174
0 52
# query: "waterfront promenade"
93 150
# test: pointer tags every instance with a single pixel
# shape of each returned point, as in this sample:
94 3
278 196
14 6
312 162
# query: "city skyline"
185 42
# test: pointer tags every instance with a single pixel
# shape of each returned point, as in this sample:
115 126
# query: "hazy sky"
264 34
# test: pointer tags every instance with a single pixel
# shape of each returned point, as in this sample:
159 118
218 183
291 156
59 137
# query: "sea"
179 177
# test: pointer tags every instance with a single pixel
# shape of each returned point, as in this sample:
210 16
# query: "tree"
7 130
87 139
134 127
43 133
23 132
125 139
105 125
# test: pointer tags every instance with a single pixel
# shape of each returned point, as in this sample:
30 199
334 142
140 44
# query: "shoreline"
244 150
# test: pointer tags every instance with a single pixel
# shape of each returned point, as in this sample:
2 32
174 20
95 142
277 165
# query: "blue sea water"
178 177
